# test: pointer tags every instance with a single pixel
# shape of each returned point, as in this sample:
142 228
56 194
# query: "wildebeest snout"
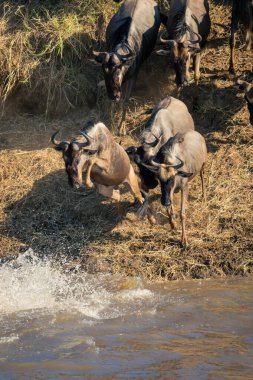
166 191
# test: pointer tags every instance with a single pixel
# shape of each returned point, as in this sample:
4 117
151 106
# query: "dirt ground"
39 210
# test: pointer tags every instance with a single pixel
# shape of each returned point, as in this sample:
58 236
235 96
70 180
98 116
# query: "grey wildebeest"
103 159
169 116
248 90
188 27
130 38
242 11
177 162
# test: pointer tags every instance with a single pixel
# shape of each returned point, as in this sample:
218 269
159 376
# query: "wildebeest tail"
143 209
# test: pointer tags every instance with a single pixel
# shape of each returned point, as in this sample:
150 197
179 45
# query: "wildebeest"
177 162
248 89
170 116
188 27
103 159
242 11
130 38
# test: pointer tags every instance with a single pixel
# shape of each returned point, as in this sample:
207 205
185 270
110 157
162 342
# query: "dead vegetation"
39 210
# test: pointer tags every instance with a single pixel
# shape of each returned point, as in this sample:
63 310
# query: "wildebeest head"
166 165
115 66
149 143
76 155
180 52
248 90
137 155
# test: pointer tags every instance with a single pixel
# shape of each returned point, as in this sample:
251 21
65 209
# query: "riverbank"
38 210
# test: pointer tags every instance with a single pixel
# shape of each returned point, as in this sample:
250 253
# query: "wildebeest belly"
112 177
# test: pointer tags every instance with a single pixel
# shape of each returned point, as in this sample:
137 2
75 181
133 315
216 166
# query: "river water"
58 325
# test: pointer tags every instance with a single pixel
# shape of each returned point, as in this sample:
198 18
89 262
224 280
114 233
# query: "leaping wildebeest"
177 162
169 116
130 38
104 160
242 12
188 27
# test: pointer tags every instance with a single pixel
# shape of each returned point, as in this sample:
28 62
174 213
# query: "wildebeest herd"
171 152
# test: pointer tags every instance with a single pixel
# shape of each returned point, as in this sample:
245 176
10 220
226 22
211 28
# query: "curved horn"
88 140
154 143
59 145
129 54
101 57
197 41
249 98
177 166
153 168
162 40
53 140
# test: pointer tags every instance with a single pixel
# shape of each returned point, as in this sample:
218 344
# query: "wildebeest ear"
131 150
63 147
195 50
244 85
89 151
178 138
184 174
162 52
101 57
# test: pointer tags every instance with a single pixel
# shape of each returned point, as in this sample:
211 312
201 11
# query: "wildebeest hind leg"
111 192
133 184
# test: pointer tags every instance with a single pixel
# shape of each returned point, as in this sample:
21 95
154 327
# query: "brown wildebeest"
177 162
248 89
242 11
169 116
130 38
188 27
103 159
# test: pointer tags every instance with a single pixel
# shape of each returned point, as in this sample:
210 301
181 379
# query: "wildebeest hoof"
173 225
184 245
151 219
232 70
89 184
122 129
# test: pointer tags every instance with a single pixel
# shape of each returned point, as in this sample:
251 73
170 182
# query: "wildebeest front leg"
196 63
202 171
184 193
129 86
187 72
171 216
92 161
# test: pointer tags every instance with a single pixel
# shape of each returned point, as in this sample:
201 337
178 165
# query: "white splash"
32 283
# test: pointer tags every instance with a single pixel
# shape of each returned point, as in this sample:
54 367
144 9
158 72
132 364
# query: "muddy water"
58 325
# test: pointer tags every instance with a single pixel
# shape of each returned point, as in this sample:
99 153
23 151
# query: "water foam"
31 283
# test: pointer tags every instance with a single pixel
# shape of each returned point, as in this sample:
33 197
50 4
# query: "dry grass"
39 210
